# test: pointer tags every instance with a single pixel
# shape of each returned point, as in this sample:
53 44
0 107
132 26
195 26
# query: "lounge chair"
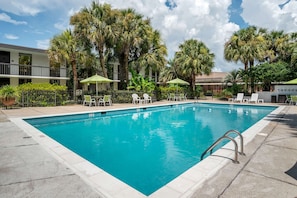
135 98
147 98
288 99
254 98
182 96
171 96
293 100
105 100
88 100
239 97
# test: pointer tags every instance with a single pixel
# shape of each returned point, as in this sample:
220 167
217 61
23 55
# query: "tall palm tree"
96 24
193 58
247 46
153 52
130 31
168 72
277 42
65 49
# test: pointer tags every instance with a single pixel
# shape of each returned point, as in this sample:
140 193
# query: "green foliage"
8 91
226 93
193 58
43 94
139 83
198 90
274 72
165 91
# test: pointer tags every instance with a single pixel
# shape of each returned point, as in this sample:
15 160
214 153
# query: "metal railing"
225 136
31 70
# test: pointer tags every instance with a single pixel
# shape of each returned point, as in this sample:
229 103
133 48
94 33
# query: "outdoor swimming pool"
148 147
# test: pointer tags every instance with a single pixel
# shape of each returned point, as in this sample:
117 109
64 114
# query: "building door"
4 62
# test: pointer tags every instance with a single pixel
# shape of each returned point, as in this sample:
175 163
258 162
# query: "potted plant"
8 95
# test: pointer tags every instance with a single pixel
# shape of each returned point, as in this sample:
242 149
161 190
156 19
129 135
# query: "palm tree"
277 42
63 49
233 77
130 30
96 24
193 58
152 54
247 46
168 72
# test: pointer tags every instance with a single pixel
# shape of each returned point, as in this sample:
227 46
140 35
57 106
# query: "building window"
25 64
55 71
53 81
24 80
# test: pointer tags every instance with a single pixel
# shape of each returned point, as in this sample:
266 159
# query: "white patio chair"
135 98
239 97
254 98
147 98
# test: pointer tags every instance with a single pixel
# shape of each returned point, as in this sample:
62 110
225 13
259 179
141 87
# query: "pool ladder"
225 136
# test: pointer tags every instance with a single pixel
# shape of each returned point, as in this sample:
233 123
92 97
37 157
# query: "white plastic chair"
89 100
147 98
135 98
106 99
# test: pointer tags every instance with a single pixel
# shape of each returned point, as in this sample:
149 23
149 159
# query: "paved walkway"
269 168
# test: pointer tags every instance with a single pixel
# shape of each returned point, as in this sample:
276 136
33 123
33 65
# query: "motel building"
20 65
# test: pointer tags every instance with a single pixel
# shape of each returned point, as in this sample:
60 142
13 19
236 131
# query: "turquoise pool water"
148 147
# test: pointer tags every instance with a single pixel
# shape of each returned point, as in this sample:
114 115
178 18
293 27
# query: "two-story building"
20 65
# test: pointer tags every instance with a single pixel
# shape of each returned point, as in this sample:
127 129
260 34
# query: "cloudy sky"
33 23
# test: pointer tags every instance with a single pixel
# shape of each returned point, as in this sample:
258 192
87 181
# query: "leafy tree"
233 78
192 59
247 46
94 26
64 48
168 72
272 72
139 83
131 28
151 53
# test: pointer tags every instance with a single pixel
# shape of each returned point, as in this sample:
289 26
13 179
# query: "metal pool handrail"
225 136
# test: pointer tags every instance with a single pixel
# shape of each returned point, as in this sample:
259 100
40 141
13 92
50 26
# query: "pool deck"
268 169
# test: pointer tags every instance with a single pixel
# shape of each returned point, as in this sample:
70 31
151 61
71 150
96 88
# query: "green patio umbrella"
177 82
291 82
95 80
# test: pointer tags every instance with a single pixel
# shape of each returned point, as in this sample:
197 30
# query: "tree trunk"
126 65
252 77
193 82
102 62
75 81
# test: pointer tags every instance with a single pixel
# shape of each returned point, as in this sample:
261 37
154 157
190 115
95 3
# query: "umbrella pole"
96 88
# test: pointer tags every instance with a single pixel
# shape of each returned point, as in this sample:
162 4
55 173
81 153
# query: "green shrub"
8 91
43 94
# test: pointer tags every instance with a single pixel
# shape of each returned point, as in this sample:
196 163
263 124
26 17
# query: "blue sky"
33 23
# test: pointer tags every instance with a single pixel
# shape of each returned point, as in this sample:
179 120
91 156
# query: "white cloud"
8 19
205 20
11 36
43 44
273 15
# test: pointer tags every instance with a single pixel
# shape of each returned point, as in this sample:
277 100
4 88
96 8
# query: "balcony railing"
28 70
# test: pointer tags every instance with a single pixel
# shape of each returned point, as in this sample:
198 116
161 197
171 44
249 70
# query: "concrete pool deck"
269 168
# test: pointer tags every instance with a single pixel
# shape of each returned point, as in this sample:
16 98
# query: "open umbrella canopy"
178 81
95 80
291 82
